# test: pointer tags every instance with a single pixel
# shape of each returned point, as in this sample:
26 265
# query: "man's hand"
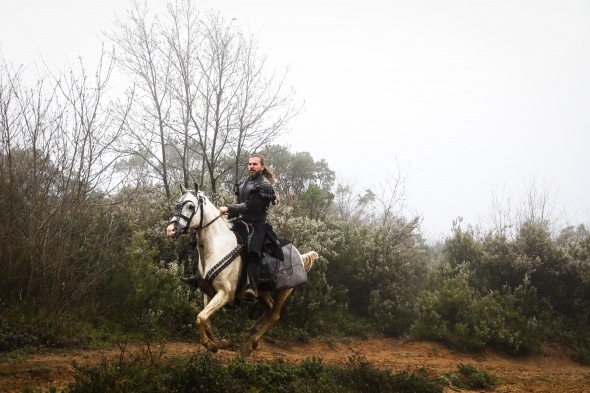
223 209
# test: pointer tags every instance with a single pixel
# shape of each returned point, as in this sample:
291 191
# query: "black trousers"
254 268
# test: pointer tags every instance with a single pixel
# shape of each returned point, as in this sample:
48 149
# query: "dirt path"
550 371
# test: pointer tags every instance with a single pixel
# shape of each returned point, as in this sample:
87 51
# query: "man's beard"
255 175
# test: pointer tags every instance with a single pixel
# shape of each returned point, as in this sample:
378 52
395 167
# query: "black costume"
254 197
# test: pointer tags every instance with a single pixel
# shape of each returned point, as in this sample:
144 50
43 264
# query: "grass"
201 373
469 377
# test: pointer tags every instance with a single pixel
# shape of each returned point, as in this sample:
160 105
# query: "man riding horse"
254 194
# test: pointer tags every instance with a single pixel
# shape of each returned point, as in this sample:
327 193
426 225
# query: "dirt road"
549 371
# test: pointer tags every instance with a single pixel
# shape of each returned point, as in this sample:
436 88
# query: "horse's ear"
182 189
196 187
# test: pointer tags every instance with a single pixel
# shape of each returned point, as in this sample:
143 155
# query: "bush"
200 373
469 377
474 378
144 294
582 355
14 337
458 315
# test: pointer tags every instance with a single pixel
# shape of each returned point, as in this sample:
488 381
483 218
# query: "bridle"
201 200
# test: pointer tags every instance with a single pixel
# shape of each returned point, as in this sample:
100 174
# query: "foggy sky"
466 98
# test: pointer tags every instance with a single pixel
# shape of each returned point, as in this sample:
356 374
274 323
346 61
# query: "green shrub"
201 373
582 355
14 337
457 314
468 377
474 378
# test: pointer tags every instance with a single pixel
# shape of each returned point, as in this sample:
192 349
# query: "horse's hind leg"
270 317
267 303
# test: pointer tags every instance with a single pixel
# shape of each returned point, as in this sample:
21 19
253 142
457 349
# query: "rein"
201 201
210 222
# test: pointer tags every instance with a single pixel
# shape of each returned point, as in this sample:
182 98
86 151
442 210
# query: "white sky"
469 97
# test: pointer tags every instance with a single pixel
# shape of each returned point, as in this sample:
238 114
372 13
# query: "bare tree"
202 92
146 57
26 173
262 110
535 205
214 116
391 198
350 205
55 171
184 36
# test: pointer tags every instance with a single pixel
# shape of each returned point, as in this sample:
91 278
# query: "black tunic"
254 197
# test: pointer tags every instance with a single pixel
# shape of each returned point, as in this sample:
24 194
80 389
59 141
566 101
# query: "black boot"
193 281
250 293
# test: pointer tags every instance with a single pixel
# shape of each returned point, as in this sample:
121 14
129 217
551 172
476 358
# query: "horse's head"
186 209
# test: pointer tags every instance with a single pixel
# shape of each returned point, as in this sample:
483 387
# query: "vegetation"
200 373
86 190
469 377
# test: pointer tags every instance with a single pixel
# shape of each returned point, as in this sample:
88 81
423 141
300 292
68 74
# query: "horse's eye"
191 207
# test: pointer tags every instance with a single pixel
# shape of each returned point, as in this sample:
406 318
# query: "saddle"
268 263
274 275
241 229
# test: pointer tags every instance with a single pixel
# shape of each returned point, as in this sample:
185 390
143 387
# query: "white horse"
218 245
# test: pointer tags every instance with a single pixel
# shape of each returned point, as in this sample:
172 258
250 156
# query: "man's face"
255 167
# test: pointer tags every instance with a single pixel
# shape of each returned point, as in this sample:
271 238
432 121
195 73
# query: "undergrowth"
469 377
201 373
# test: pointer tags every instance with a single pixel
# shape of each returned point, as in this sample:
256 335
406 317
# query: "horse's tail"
308 259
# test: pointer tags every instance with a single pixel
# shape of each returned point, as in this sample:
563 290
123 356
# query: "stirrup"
249 294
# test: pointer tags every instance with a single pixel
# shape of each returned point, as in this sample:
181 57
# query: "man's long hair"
266 171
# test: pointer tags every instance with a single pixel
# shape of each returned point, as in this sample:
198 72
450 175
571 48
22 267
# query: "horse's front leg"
209 329
221 343
205 331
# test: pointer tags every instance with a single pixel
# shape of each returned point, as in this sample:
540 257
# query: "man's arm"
255 203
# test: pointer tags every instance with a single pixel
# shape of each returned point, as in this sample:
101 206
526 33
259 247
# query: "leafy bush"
143 294
309 303
511 292
474 378
582 355
201 373
457 314
378 273
14 337
469 377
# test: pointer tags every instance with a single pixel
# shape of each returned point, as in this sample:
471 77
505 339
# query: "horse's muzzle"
172 231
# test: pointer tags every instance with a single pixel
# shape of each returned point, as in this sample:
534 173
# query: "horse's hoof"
246 350
255 345
212 347
225 344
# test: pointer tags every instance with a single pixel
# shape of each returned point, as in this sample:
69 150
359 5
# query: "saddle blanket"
284 274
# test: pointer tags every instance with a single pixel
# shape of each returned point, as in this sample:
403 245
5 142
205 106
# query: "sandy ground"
549 371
